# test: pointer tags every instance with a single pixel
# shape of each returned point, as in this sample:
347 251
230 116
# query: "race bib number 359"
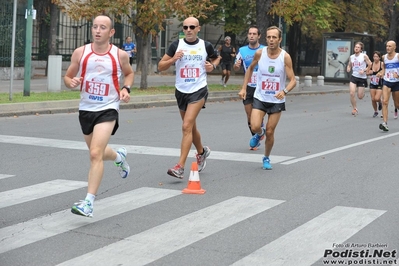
97 88
188 72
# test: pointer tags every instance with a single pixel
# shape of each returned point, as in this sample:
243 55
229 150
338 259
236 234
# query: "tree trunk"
294 34
393 23
262 18
144 61
52 43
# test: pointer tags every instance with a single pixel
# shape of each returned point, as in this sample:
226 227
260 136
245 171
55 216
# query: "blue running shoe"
255 148
255 139
266 163
84 208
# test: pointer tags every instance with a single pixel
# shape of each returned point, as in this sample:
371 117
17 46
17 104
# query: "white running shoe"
124 168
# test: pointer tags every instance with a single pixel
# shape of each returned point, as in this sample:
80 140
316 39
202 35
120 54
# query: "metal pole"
14 22
28 48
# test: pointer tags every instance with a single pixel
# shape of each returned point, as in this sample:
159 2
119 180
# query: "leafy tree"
312 18
145 16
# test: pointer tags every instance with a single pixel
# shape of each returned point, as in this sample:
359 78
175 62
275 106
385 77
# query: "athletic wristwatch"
127 88
285 91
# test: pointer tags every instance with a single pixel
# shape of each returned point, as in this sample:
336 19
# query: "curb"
137 102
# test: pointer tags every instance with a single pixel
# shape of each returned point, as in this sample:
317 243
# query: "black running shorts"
359 82
268 108
89 119
184 99
250 96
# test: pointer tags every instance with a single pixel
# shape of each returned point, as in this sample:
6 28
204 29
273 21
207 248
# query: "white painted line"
5 176
25 233
80 145
339 149
164 239
42 190
306 244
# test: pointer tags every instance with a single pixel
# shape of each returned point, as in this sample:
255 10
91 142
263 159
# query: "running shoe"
379 106
264 129
255 148
384 126
224 85
375 114
395 114
177 171
84 208
354 111
266 163
201 159
256 139
221 82
124 168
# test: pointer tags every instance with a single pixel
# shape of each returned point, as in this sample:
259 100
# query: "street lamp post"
28 48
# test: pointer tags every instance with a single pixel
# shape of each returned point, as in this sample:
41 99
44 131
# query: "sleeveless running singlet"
101 73
271 77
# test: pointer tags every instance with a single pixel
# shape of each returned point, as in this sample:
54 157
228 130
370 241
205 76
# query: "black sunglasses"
191 27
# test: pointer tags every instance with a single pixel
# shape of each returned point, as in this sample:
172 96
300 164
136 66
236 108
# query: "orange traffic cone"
194 184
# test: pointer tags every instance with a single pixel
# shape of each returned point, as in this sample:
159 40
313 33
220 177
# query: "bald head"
391 47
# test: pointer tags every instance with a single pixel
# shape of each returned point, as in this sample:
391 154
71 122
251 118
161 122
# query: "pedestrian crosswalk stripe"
25 233
42 190
160 151
306 244
5 176
169 237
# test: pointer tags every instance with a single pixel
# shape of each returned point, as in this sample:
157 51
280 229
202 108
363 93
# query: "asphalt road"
332 190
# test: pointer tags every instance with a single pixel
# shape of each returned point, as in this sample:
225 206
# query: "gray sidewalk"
39 84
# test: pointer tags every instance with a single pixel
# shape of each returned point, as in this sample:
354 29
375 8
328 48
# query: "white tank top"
190 69
391 67
271 77
358 64
100 86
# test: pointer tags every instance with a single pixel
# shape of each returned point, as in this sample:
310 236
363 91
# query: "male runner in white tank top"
359 63
97 68
390 81
274 66
190 56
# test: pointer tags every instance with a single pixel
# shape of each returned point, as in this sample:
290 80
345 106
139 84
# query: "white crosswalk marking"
162 240
25 233
80 145
305 245
5 176
20 195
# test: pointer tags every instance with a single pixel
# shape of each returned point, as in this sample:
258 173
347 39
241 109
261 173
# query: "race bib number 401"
189 72
97 88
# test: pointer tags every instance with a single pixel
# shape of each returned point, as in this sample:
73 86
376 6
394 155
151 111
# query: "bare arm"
167 61
367 59
70 79
128 74
290 75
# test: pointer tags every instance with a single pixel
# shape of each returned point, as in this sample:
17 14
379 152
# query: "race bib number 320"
189 72
97 88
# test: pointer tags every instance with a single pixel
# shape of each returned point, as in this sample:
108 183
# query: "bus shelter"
336 51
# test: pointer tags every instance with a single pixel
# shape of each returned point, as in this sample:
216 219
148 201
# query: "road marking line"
159 241
307 243
339 149
42 190
80 145
5 176
19 235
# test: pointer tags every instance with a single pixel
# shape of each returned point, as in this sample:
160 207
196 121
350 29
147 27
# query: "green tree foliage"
145 15
319 16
